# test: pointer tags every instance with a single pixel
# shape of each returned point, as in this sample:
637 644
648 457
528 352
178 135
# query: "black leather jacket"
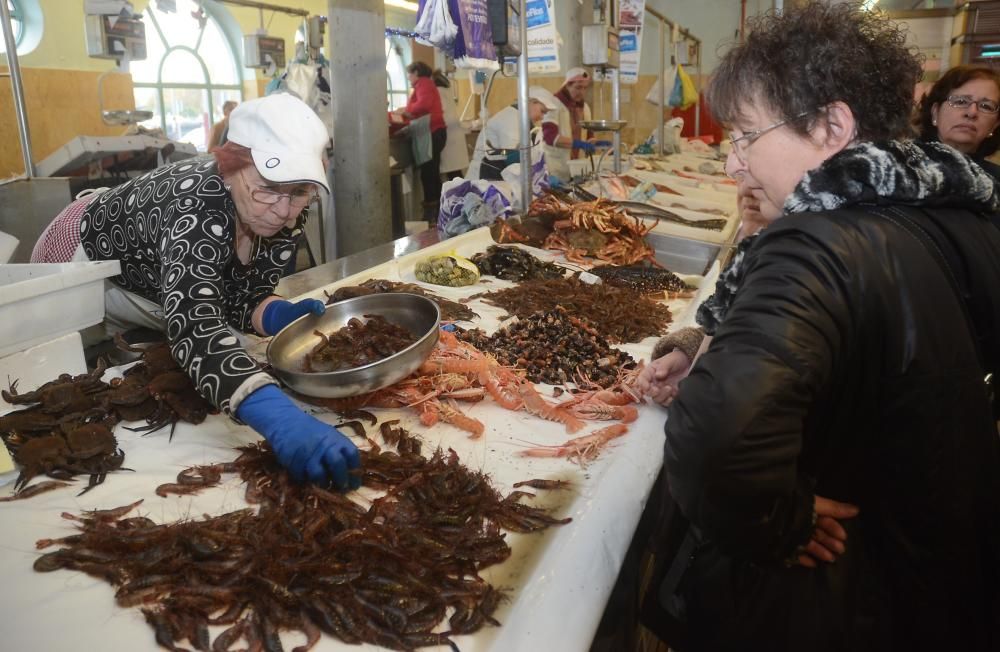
844 368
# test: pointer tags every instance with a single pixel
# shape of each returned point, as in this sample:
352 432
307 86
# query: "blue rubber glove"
281 313
583 145
311 450
603 143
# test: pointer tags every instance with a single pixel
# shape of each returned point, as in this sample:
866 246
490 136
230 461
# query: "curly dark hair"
806 58
419 68
942 88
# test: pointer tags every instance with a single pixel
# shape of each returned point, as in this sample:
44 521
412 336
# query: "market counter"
557 581
327 273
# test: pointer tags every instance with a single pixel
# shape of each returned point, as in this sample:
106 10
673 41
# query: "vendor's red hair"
231 158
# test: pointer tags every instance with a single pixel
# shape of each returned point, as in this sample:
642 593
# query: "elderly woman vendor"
202 244
834 450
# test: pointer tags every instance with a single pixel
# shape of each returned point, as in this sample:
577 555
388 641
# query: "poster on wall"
630 38
543 40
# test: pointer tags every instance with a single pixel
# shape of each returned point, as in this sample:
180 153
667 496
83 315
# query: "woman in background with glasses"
962 109
202 244
834 450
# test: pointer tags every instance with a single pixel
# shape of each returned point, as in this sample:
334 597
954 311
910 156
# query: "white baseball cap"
576 74
287 140
545 97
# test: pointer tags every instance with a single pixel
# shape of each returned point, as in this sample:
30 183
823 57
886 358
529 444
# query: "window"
16 21
395 68
910 5
190 71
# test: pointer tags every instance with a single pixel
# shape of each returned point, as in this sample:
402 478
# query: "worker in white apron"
562 132
498 143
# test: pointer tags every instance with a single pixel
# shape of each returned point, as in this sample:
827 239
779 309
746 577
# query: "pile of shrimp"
401 572
458 371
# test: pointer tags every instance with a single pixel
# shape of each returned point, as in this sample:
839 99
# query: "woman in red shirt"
426 100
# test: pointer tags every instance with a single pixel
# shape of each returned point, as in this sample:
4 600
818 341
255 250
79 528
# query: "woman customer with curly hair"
962 109
834 450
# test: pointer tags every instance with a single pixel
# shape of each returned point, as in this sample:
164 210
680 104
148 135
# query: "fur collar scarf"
912 173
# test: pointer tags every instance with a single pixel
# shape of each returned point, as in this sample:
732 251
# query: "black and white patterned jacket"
174 231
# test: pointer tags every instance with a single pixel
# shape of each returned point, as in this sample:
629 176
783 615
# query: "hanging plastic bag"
539 178
677 92
656 94
300 80
689 94
276 85
474 44
435 25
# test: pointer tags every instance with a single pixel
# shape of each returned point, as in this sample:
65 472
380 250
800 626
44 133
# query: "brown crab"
64 394
90 449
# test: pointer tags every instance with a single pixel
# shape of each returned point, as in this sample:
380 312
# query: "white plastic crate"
41 302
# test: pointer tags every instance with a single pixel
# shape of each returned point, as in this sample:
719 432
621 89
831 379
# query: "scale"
121 37
603 125
601 51
118 117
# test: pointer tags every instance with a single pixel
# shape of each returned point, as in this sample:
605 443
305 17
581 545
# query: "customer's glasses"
298 198
741 144
965 101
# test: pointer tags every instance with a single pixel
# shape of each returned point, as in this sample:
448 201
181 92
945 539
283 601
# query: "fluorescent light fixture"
403 4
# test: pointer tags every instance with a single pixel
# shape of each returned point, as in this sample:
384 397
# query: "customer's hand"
829 539
311 450
281 313
584 146
658 380
751 220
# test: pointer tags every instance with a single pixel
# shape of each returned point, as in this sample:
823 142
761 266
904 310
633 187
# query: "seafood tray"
667 228
707 207
605 501
41 302
693 209
686 167
717 191
685 257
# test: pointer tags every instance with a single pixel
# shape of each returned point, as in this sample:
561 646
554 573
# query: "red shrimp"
35 489
536 405
451 414
582 448
503 397
430 411
600 411
452 365
612 397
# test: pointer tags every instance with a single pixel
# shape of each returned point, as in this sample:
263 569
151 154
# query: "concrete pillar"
361 195
570 19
